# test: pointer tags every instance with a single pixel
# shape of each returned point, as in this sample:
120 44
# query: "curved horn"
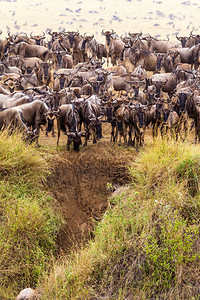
31 36
113 32
49 32
72 134
43 36
0 31
103 32
191 33
178 38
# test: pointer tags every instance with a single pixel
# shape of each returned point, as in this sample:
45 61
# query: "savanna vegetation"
145 246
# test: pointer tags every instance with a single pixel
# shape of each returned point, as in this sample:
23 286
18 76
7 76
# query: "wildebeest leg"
141 135
163 131
86 133
53 132
116 133
69 141
154 129
37 133
113 126
94 134
58 127
113 59
107 52
130 134
125 132
197 132
192 125
185 130
137 138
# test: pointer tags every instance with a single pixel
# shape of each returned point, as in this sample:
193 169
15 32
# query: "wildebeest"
134 57
113 46
44 73
33 115
39 39
137 121
27 50
91 119
160 46
193 111
189 55
68 116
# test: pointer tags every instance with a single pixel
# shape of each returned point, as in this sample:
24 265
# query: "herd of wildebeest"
132 82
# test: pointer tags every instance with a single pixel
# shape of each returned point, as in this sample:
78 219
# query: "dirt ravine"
80 183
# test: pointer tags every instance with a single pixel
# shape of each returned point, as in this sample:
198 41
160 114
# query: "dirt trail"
79 184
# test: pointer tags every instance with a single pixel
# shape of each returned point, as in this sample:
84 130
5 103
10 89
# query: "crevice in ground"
79 182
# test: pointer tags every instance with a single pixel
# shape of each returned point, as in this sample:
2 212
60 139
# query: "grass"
28 222
146 245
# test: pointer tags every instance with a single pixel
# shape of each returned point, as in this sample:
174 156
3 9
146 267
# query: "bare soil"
81 184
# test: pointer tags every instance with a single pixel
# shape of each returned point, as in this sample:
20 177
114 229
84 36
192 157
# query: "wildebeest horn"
103 32
178 38
81 133
57 111
72 134
0 31
113 32
31 35
43 37
191 33
49 32
55 75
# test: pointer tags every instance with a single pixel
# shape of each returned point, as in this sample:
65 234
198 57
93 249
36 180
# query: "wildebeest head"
182 97
183 40
45 66
71 39
62 78
159 62
140 111
108 34
165 111
11 84
54 35
38 38
71 36
76 137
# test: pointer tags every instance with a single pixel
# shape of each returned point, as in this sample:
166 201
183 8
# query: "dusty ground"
80 183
